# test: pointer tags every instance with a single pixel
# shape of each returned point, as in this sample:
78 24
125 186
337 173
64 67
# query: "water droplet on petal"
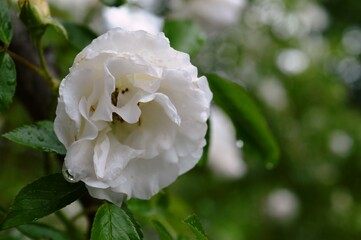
68 176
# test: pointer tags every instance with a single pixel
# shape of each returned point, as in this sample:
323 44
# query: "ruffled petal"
168 107
144 179
107 194
156 132
78 160
64 127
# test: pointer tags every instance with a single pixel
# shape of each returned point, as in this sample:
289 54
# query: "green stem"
52 81
73 232
24 61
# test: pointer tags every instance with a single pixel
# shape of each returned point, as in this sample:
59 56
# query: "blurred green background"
300 61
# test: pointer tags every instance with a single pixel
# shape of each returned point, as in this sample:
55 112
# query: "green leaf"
42 197
184 35
249 122
6 31
131 217
79 36
7 80
113 222
163 232
39 136
41 231
196 226
113 3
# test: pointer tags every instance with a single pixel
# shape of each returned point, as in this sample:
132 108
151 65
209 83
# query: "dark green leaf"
249 122
131 217
196 226
184 35
41 231
203 161
6 31
7 80
41 198
40 136
79 36
113 222
163 232
113 3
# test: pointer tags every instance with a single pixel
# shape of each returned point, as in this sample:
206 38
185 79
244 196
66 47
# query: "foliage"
113 222
248 121
8 80
196 226
40 198
184 36
6 32
40 136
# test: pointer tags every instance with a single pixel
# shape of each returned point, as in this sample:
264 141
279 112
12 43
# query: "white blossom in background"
77 9
340 143
273 93
217 13
307 17
131 19
224 157
312 17
149 5
349 69
292 61
351 41
132 115
282 205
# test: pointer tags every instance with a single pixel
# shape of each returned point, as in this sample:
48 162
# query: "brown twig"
24 61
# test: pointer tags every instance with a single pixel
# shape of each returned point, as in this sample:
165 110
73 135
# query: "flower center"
114 97
122 128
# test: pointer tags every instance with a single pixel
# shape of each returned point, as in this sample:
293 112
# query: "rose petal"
64 127
152 179
78 160
154 48
156 132
107 194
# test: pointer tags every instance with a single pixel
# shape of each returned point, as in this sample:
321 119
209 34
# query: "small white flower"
132 115
132 19
224 158
217 13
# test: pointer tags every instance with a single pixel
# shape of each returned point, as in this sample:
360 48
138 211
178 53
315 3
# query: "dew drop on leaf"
68 177
40 138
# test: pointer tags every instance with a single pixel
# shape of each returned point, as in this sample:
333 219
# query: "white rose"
132 115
